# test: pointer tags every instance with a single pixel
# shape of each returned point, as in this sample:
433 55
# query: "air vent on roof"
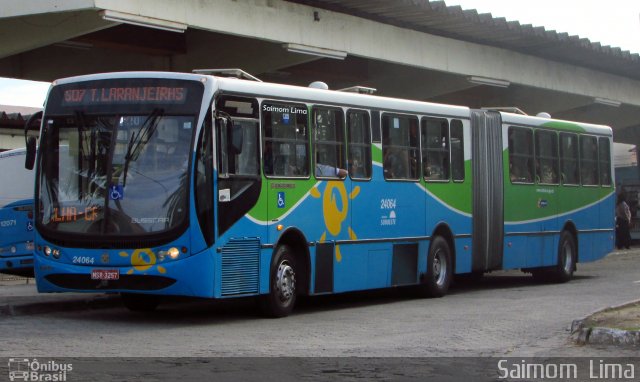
506 109
359 90
231 73
319 85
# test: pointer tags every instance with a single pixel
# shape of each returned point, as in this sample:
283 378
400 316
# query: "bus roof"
13 152
528 120
290 92
334 97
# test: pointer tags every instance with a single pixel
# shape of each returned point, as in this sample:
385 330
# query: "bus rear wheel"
439 274
140 302
280 300
563 271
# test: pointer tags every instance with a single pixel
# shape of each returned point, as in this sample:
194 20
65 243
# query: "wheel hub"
439 268
568 258
285 281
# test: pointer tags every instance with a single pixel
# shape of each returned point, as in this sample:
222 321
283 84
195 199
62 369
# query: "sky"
613 22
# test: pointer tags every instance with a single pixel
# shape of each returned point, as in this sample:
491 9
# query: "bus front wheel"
280 300
436 281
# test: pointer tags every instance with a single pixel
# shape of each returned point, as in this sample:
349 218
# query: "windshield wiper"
137 142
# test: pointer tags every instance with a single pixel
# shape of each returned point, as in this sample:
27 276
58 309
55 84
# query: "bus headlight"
173 253
47 250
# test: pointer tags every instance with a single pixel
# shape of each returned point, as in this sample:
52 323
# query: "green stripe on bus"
568 126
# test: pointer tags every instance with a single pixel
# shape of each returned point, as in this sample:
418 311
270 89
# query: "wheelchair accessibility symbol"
116 192
281 202
29 226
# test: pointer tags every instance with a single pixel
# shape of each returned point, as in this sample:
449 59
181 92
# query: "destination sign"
71 214
125 95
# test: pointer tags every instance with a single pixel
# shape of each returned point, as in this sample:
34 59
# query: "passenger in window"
519 171
391 163
587 175
527 170
512 172
325 170
267 155
545 172
413 142
427 168
355 167
549 171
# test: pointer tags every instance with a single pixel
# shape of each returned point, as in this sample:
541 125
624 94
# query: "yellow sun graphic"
142 260
333 216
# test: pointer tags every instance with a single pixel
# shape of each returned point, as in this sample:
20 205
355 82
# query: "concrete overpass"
406 48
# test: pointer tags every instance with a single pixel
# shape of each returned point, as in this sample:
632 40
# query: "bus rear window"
400 146
435 149
569 159
521 155
589 160
605 161
359 138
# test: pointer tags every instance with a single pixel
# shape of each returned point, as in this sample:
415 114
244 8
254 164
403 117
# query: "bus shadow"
504 281
193 311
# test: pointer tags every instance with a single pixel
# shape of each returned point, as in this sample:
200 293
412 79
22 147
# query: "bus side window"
238 148
457 150
605 161
520 155
286 144
359 144
328 139
546 157
569 159
589 160
435 149
400 157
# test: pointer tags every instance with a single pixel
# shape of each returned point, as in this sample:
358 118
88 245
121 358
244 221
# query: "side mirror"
30 142
30 159
236 137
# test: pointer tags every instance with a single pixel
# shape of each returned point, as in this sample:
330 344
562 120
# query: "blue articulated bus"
16 214
152 184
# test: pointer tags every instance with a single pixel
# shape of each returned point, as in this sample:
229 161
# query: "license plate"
105 274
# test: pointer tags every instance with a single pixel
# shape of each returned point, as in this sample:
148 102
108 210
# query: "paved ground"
506 314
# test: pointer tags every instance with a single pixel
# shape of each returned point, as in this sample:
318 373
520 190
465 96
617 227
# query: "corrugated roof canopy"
436 18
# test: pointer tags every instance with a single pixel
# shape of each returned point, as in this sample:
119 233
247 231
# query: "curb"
42 307
583 335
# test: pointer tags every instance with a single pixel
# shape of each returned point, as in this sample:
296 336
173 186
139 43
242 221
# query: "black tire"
566 265
567 255
439 274
140 302
281 299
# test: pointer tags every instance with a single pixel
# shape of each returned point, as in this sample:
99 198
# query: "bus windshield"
112 168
